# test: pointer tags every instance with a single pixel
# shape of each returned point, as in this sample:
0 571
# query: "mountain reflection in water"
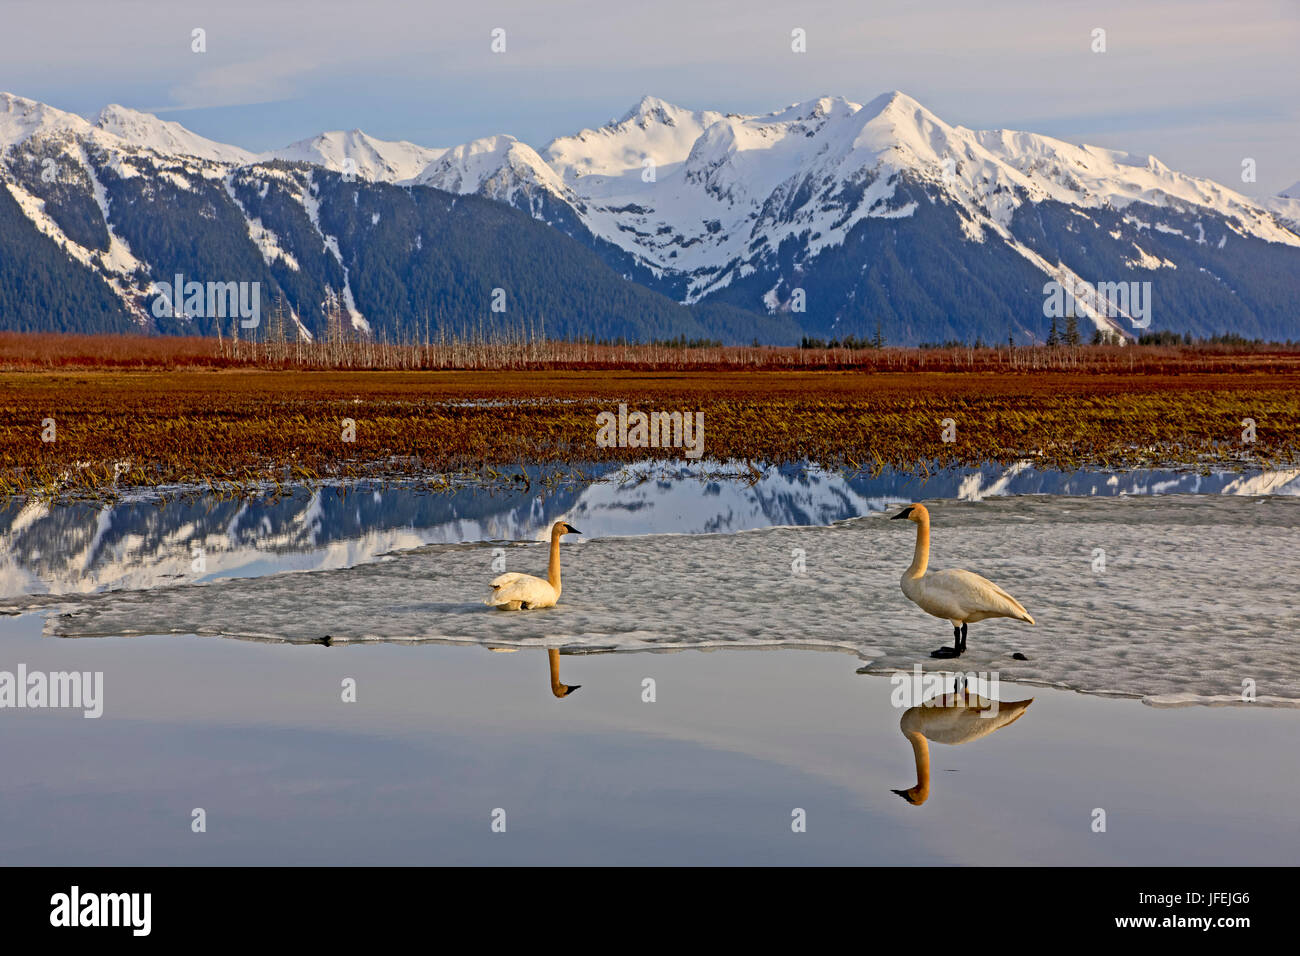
86 547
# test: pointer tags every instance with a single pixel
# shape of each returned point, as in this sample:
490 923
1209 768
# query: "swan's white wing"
524 588
964 595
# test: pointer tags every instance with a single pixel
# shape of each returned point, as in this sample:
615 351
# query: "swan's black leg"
953 651
963 637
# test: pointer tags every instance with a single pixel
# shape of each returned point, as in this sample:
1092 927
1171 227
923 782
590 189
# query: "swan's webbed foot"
946 652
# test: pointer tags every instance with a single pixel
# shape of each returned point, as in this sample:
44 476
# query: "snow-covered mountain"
373 159
149 132
833 217
607 159
750 209
498 167
1286 206
22 119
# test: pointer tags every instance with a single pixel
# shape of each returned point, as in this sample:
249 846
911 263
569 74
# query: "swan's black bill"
906 796
570 529
902 514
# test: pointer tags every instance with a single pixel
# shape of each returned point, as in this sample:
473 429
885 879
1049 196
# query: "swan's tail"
1025 616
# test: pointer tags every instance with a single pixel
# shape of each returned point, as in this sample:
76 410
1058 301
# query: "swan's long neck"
553 568
921 558
921 750
556 687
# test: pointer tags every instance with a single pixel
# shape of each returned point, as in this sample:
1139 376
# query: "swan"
952 719
960 597
512 591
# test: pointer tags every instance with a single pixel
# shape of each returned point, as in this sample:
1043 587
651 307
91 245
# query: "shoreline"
892 673
545 478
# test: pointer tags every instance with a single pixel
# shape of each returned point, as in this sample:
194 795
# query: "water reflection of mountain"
1022 478
83 547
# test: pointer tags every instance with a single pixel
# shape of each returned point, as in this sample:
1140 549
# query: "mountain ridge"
832 217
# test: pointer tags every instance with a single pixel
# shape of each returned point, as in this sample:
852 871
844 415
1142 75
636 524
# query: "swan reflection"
558 687
954 718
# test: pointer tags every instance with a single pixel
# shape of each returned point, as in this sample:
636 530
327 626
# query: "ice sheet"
1192 596
135 544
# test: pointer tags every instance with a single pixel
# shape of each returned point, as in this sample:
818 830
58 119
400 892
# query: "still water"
775 623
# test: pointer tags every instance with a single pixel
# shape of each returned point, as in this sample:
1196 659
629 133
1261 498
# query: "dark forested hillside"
415 260
43 289
409 261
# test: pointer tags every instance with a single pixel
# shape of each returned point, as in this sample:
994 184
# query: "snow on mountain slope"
1286 206
725 186
700 202
498 167
1088 176
374 159
63 139
815 169
135 144
161 136
22 119
653 129
307 198
739 186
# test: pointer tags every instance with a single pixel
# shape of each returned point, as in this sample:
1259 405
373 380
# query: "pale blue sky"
1202 84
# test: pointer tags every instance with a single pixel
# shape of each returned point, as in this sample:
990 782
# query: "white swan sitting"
957 596
513 591
956 718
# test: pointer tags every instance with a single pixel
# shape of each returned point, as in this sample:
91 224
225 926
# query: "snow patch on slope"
267 242
162 136
498 167
22 119
307 197
373 159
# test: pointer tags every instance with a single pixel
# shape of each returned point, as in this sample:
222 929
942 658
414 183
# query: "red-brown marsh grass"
242 426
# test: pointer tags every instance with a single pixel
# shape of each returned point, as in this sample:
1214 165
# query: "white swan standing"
514 591
957 596
956 718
